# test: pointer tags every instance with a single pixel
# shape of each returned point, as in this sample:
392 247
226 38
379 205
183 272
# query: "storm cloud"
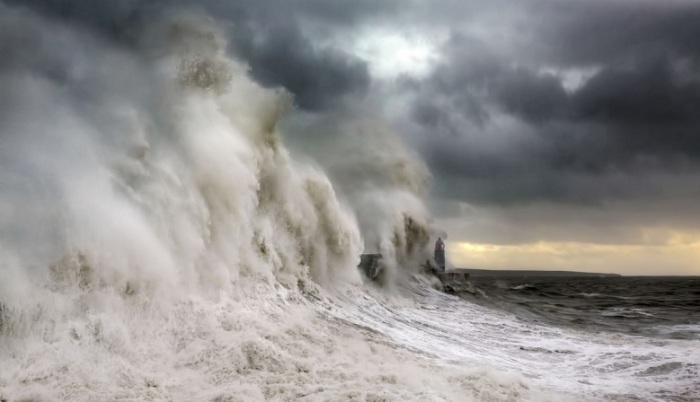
597 89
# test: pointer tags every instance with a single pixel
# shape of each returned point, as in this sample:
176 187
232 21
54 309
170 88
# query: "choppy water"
523 328
663 307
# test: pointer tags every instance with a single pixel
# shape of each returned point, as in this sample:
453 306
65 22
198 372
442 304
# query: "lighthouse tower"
440 254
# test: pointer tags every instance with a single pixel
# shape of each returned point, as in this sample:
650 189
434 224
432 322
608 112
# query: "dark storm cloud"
267 35
533 97
472 86
501 128
579 33
280 55
113 18
648 94
272 38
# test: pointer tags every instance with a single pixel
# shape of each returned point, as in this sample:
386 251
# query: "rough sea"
617 338
655 307
159 242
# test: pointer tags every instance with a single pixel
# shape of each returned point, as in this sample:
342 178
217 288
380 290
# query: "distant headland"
493 273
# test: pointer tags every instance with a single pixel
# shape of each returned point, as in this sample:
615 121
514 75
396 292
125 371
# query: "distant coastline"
493 273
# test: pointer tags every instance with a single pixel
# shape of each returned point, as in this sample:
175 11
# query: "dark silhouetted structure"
440 254
371 265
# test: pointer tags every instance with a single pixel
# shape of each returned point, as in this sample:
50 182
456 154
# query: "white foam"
593 365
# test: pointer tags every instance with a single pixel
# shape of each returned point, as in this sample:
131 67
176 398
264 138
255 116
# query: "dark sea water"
664 307
582 339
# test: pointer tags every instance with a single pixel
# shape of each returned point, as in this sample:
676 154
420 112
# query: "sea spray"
155 201
159 243
384 182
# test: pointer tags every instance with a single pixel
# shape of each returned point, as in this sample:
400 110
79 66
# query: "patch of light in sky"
572 79
390 54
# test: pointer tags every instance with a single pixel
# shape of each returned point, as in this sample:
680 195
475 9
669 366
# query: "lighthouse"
440 254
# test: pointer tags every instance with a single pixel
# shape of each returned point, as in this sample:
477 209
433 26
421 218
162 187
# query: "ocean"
159 242
608 338
655 307
498 340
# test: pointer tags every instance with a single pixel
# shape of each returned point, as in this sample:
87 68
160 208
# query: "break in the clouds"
523 107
